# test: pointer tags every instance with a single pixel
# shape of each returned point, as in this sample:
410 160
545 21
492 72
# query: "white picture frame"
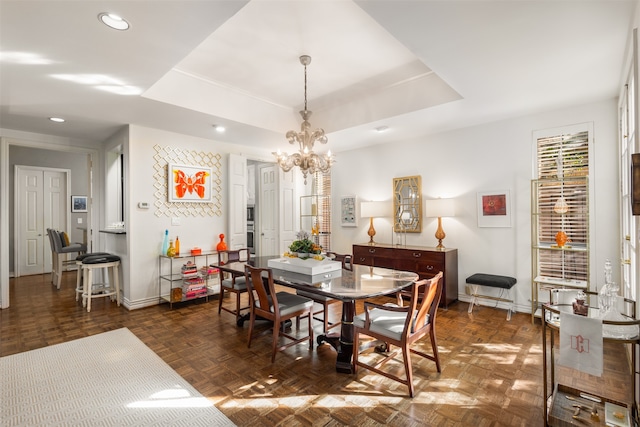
349 211
189 183
79 204
494 208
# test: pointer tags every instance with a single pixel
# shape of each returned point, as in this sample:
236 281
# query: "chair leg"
326 317
58 271
356 351
220 297
252 319
434 345
406 353
310 319
274 347
237 306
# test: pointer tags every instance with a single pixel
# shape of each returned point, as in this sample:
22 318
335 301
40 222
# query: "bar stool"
79 271
110 265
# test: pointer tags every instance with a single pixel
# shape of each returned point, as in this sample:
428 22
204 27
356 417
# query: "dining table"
346 285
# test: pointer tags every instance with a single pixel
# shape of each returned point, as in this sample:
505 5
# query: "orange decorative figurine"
222 246
561 238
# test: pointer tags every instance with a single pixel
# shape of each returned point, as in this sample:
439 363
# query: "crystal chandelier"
308 161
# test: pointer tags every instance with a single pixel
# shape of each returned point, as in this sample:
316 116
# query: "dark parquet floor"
491 368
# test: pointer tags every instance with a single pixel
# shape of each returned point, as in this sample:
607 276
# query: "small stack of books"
194 287
189 270
206 271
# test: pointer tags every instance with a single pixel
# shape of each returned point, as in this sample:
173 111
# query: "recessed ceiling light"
113 21
57 119
381 129
219 129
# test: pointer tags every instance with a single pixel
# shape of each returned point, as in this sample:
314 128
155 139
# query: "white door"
237 213
41 204
268 210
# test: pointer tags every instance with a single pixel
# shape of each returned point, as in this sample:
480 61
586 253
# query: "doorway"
41 151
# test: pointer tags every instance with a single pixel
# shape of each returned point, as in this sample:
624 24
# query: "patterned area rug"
109 379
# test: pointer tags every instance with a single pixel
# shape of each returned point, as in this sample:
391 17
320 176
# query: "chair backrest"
266 303
56 240
425 297
236 255
347 260
50 233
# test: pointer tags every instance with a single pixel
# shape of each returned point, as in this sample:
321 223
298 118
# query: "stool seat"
81 257
100 259
492 281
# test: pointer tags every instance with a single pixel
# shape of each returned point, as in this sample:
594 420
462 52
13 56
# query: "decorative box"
196 251
307 266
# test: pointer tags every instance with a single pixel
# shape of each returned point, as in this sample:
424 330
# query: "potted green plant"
304 246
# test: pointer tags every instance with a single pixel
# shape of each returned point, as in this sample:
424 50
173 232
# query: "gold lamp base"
371 232
440 234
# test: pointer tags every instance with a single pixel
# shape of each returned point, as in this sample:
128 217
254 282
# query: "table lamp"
438 208
374 210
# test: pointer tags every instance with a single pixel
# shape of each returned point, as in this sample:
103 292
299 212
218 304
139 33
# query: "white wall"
145 230
458 164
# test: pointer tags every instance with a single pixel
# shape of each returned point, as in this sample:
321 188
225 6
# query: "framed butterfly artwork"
187 183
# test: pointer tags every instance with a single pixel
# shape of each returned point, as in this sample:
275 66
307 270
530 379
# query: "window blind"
561 204
322 187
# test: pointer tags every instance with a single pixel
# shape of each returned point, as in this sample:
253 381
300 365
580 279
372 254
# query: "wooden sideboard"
425 261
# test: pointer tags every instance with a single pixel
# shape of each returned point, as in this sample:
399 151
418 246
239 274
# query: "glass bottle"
605 293
171 252
165 242
177 245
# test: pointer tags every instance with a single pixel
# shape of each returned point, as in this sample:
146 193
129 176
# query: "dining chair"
325 301
235 284
401 327
278 307
61 247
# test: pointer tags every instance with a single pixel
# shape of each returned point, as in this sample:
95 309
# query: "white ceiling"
418 67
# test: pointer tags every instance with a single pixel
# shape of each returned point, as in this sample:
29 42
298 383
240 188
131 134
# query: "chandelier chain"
305 88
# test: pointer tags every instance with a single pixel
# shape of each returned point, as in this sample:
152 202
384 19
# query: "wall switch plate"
79 220
143 205
175 220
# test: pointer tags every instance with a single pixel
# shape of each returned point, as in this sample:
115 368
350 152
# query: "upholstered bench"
491 281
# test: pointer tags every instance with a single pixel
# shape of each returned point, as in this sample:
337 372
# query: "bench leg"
474 293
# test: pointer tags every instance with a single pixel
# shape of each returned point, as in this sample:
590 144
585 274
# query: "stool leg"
85 273
117 283
88 285
79 289
510 308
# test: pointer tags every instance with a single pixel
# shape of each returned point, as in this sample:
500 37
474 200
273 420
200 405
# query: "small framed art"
78 203
494 209
187 183
348 214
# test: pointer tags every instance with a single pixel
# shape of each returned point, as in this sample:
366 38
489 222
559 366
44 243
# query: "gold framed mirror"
407 204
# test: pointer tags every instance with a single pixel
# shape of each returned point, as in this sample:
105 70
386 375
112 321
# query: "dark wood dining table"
348 286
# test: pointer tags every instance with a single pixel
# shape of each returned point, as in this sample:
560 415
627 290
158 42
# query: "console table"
425 261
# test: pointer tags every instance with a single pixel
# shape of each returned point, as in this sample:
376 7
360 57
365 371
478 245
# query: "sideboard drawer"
363 259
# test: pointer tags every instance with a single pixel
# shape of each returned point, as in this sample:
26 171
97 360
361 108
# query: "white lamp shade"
437 208
374 209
